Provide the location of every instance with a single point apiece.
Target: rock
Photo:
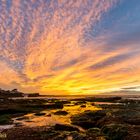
(134, 121)
(78, 136)
(31, 133)
(39, 114)
(48, 115)
(83, 106)
(54, 105)
(85, 124)
(65, 127)
(115, 131)
(88, 119)
(22, 118)
(5, 119)
(61, 113)
(18, 124)
(95, 131)
(80, 102)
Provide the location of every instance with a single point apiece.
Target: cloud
(7, 74)
(131, 88)
(111, 61)
(49, 46)
(37, 79)
(69, 63)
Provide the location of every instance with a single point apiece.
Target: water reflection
(32, 120)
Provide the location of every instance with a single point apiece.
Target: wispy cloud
(66, 46)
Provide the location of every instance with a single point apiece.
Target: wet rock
(31, 133)
(96, 134)
(83, 106)
(61, 113)
(40, 114)
(128, 115)
(62, 136)
(108, 119)
(18, 124)
(5, 119)
(88, 119)
(80, 102)
(48, 115)
(115, 131)
(22, 118)
(65, 127)
(78, 136)
(57, 105)
(93, 104)
(133, 121)
(95, 131)
(49, 134)
(63, 102)
(90, 135)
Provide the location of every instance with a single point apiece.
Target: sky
(70, 46)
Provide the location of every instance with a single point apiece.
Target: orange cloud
(43, 48)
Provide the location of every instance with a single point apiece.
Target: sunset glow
(70, 46)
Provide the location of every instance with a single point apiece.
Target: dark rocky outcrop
(61, 112)
(88, 119)
(115, 131)
(40, 114)
(65, 127)
(9, 94)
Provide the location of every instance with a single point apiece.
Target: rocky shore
(112, 119)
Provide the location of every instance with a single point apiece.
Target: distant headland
(16, 93)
